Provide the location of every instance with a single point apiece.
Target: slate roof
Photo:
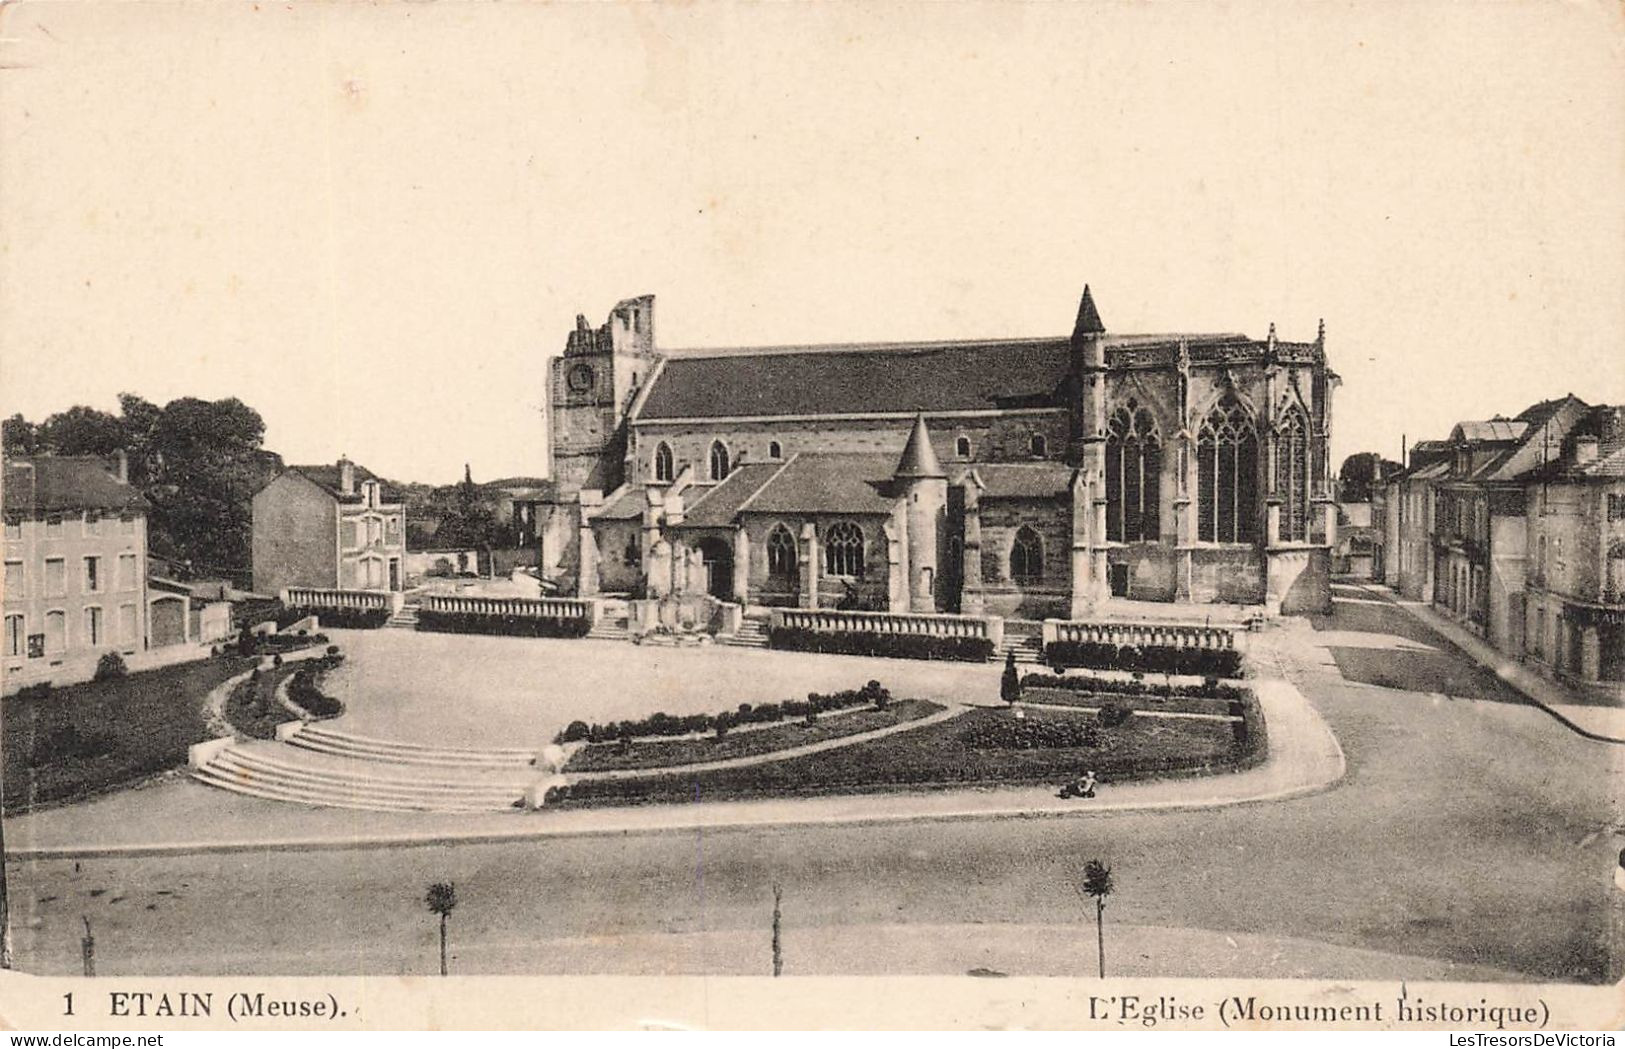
(717, 507)
(1021, 480)
(919, 459)
(929, 377)
(65, 483)
(629, 506)
(1088, 322)
(1490, 430)
(828, 484)
(327, 476)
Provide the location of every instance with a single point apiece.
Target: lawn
(977, 748)
(740, 743)
(87, 739)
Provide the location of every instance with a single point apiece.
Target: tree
(1097, 884)
(205, 464)
(467, 517)
(1360, 473)
(778, 945)
(21, 436)
(1010, 683)
(442, 900)
(82, 430)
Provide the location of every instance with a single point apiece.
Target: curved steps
(264, 770)
(343, 744)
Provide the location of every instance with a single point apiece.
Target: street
(1472, 834)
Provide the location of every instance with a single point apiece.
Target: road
(1473, 835)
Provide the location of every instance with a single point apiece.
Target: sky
(375, 223)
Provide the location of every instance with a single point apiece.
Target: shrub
(305, 694)
(332, 650)
(1157, 659)
(661, 724)
(1010, 683)
(38, 690)
(342, 618)
(871, 643)
(1112, 714)
(1211, 688)
(513, 626)
(111, 665)
(276, 660)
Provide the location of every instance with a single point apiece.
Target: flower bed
(962, 751)
(252, 707)
(669, 753)
(1066, 697)
(304, 689)
(1212, 688)
(1156, 659)
(663, 724)
(509, 625)
(874, 643)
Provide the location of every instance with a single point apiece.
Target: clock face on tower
(580, 378)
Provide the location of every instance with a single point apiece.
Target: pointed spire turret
(919, 459)
(1089, 322)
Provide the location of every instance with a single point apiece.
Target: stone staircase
(1025, 640)
(405, 619)
(608, 629)
(276, 772)
(752, 633)
(365, 748)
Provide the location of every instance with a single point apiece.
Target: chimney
(346, 476)
(121, 466)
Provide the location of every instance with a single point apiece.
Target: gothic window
(775, 450)
(663, 463)
(1039, 446)
(632, 554)
(1292, 476)
(1133, 467)
(1027, 557)
(843, 549)
(781, 554)
(962, 447)
(1227, 475)
(719, 461)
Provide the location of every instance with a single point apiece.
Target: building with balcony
(337, 527)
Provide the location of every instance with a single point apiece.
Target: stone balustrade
(572, 608)
(830, 621)
(1140, 635)
(349, 600)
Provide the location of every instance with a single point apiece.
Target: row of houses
(1515, 527)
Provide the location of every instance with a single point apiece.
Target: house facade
(1025, 477)
(329, 527)
(1575, 608)
(76, 569)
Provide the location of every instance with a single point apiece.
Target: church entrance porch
(718, 560)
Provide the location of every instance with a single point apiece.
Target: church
(1028, 478)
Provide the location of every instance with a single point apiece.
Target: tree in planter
(1010, 683)
(442, 900)
(1097, 884)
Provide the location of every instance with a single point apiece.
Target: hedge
(663, 724)
(513, 626)
(344, 618)
(873, 643)
(1155, 659)
(1212, 688)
